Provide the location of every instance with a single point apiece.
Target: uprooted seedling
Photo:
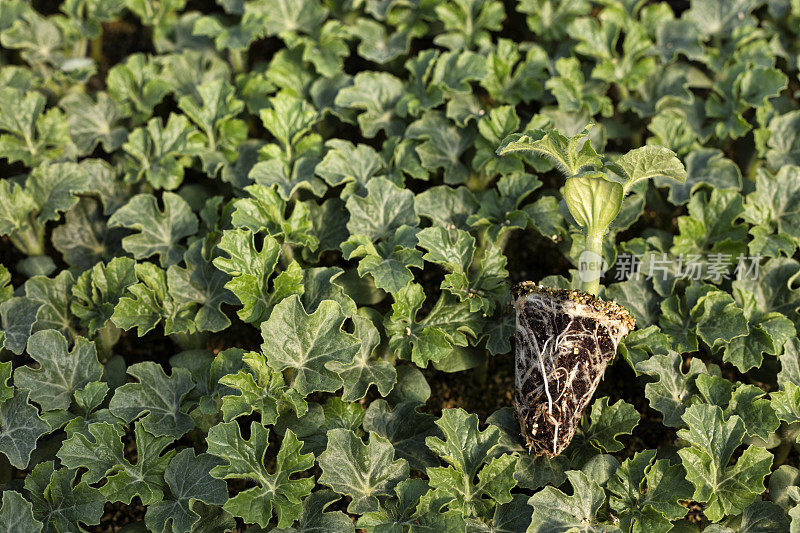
(565, 339)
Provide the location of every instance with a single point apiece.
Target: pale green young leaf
(718, 16)
(325, 283)
(287, 16)
(646, 493)
(288, 177)
(511, 517)
(446, 206)
(556, 511)
(725, 489)
(84, 239)
(643, 343)
(671, 393)
(388, 262)
(484, 286)
(385, 208)
(327, 48)
(745, 400)
(704, 166)
(237, 37)
(711, 226)
(54, 188)
(377, 44)
(98, 290)
(16, 204)
(512, 78)
(94, 121)
(571, 90)
(776, 197)
(214, 112)
(569, 155)
(786, 402)
(30, 134)
(308, 343)
(468, 23)
(493, 127)
(288, 119)
(442, 147)
(148, 302)
(761, 516)
(499, 209)
(783, 144)
(138, 85)
(260, 389)
(374, 94)
(352, 164)
(202, 284)
(409, 510)
(475, 479)
(451, 249)
(649, 162)
(158, 153)
(411, 386)
(362, 471)
(313, 427)
(250, 270)
(153, 13)
(768, 333)
(266, 211)
(431, 338)
(719, 320)
(55, 295)
(18, 316)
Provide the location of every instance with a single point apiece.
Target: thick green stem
(190, 341)
(788, 435)
(592, 261)
(96, 49)
(106, 339)
(503, 240)
(29, 239)
(239, 60)
(287, 255)
(783, 452)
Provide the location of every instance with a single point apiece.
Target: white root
(551, 331)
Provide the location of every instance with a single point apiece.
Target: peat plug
(564, 340)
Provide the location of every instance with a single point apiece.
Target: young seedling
(565, 339)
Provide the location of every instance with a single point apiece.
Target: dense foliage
(244, 245)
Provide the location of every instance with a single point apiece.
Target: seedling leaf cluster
(256, 261)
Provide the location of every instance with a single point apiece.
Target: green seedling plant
(262, 266)
(564, 340)
(595, 189)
